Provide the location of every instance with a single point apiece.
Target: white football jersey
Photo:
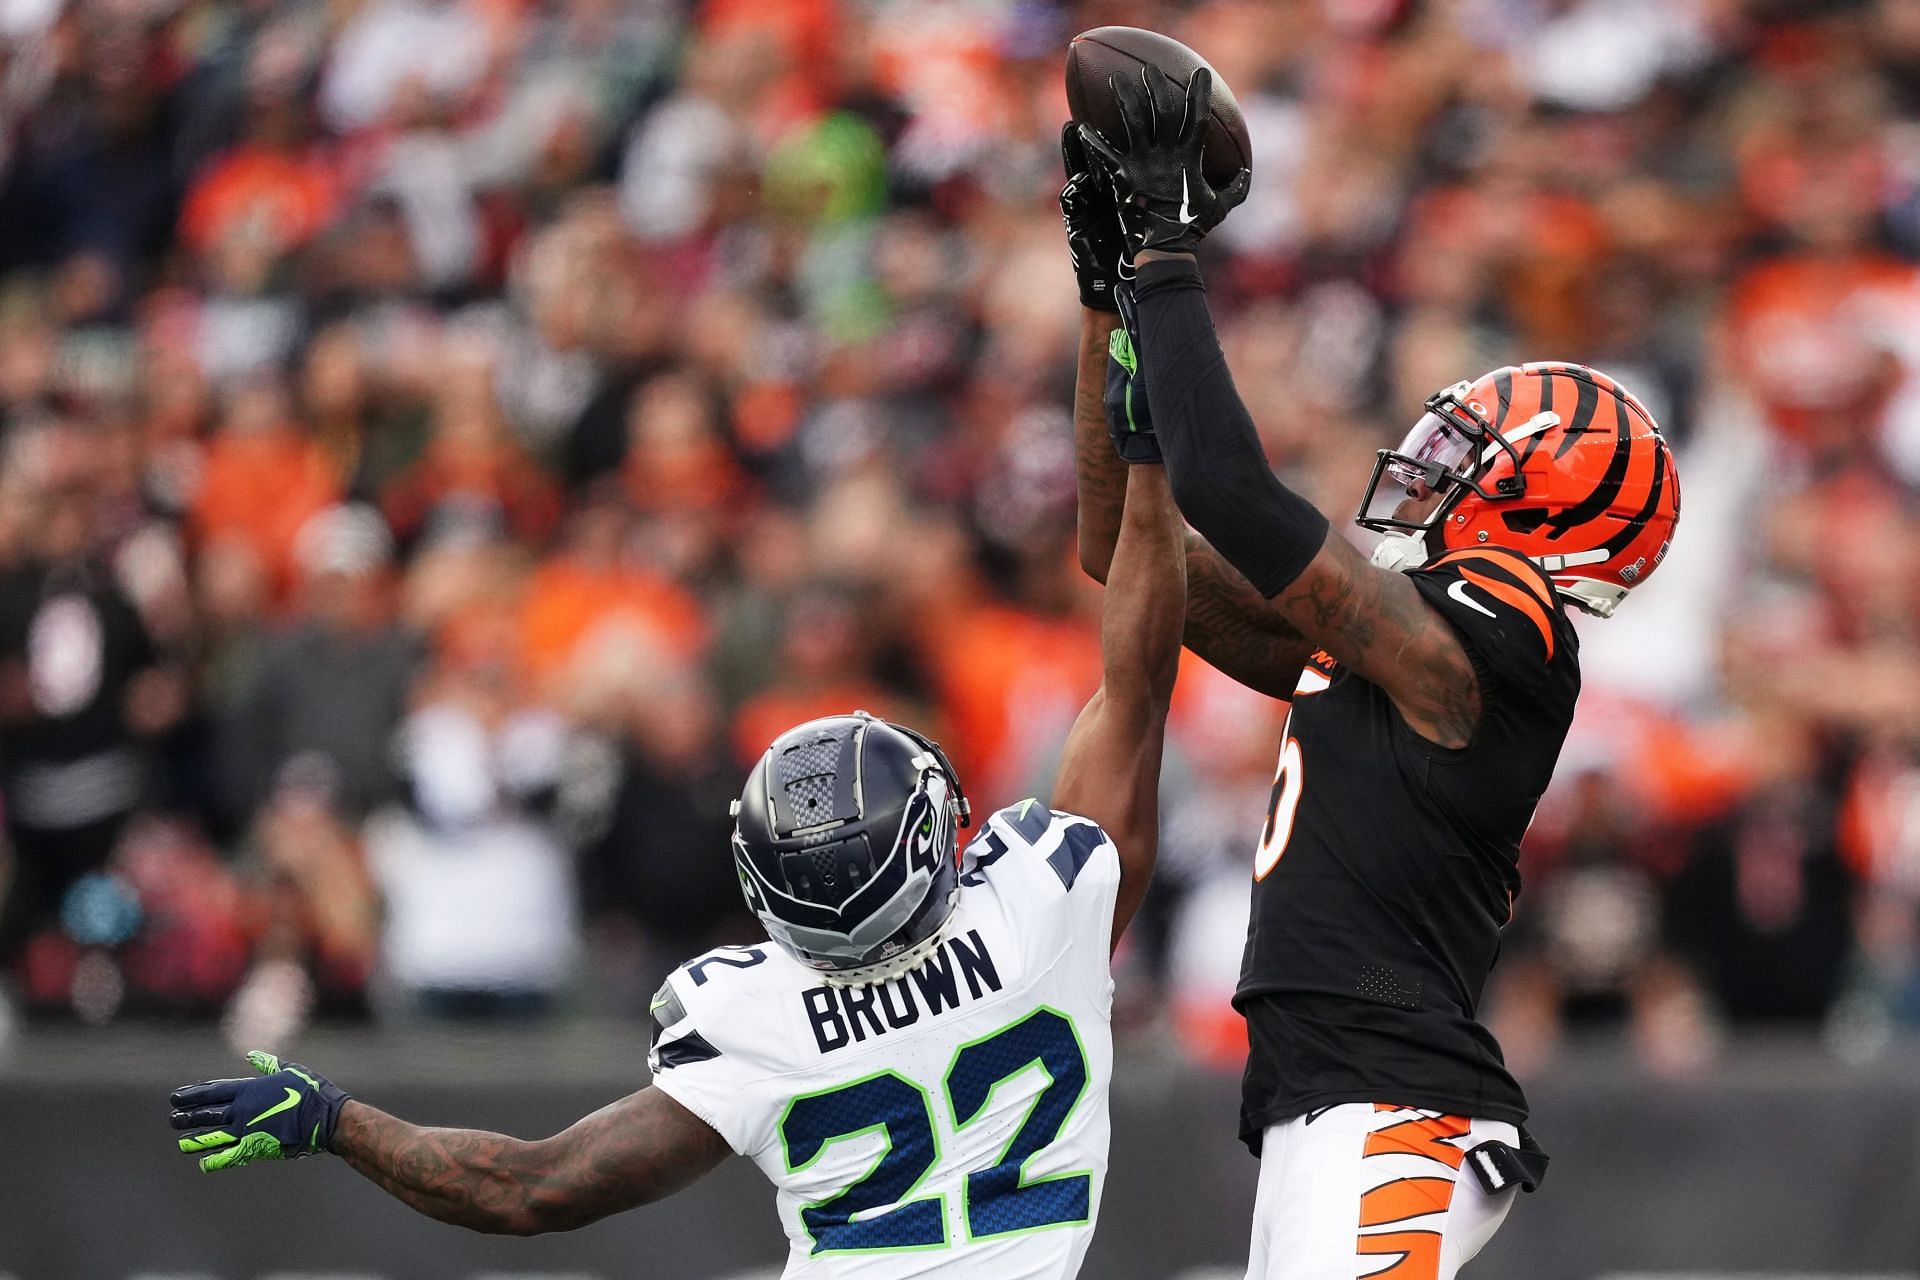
(952, 1121)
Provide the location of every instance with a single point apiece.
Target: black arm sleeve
(1215, 464)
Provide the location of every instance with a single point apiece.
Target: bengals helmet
(1556, 461)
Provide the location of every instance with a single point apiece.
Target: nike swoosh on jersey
(1458, 591)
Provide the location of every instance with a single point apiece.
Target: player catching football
(1431, 691)
(920, 1061)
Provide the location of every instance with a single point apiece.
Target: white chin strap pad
(1401, 552)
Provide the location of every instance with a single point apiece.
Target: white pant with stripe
(1382, 1193)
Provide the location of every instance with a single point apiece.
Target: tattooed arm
(1376, 622)
(1238, 630)
(1228, 623)
(1373, 620)
(640, 1149)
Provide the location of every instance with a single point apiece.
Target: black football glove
(1093, 222)
(1128, 423)
(1164, 197)
(284, 1113)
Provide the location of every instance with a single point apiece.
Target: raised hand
(1093, 223)
(1165, 201)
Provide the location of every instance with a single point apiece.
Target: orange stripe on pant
(1404, 1198)
(1416, 1254)
(1426, 1136)
(1409, 1254)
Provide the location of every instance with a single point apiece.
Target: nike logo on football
(292, 1100)
(1186, 214)
(1458, 591)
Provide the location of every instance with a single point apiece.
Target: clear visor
(1435, 445)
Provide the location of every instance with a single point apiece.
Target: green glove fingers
(255, 1146)
(206, 1141)
(266, 1064)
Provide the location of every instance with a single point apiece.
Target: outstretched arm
(1371, 619)
(1228, 623)
(1110, 769)
(635, 1151)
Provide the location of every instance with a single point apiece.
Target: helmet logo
(755, 901)
(922, 845)
(1631, 572)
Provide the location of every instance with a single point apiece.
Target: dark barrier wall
(1777, 1165)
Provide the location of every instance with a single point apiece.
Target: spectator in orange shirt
(273, 183)
(824, 666)
(264, 479)
(1010, 675)
(600, 603)
(1810, 339)
(798, 41)
(473, 472)
(677, 460)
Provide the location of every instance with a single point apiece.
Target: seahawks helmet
(845, 840)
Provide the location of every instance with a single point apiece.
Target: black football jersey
(1388, 865)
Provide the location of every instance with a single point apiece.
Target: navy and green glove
(1093, 223)
(1159, 184)
(283, 1114)
(1128, 423)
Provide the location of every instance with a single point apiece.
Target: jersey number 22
(999, 1200)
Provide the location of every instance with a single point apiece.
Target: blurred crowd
(442, 442)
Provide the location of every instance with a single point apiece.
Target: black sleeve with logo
(1388, 866)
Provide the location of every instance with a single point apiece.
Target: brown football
(1094, 55)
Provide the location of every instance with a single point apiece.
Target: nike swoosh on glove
(282, 1114)
(1159, 184)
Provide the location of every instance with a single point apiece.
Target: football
(1095, 55)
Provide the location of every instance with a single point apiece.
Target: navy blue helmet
(846, 840)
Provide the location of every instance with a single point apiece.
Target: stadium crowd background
(442, 441)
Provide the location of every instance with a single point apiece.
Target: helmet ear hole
(1525, 520)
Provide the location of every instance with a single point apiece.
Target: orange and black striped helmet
(1556, 461)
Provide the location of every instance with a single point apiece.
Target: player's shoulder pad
(1064, 842)
(1029, 820)
(1492, 588)
(690, 1005)
(677, 1042)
